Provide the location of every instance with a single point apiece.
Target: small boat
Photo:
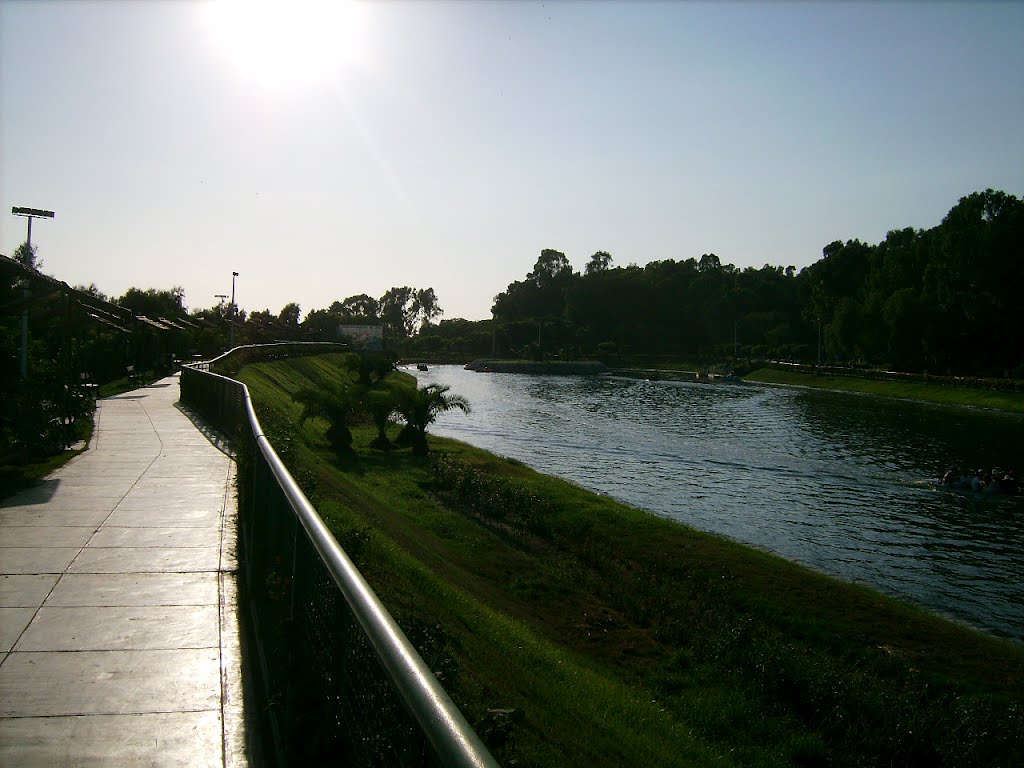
(421, 366)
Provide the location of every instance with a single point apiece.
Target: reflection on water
(843, 483)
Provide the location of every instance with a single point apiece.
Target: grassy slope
(931, 393)
(607, 636)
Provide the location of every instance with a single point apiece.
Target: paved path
(118, 629)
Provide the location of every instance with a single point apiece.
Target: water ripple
(843, 484)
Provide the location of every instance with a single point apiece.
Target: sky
(324, 150)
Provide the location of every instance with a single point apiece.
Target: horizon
(348, 148)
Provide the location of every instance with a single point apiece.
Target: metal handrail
(288, 347)
(452, 738)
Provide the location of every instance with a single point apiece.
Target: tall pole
(234, 275)
(23, 362)
(30, 213)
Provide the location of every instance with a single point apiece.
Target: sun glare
(282, 43)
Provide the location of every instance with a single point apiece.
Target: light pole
(29, 213)
(234, 275)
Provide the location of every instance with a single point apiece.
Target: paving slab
(45, 516)
(25, 590)
(102, 589)
(109, 536)
(164, 739)
(119, 637)
(154, 517)
(47, 536)
(43, 684)
(121, 628)
(13, 622)
(146, 560)
(36, 559)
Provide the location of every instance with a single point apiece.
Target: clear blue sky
(444, 144)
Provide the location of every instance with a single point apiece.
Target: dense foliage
(944, 299)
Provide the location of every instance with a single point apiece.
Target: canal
(842, 483)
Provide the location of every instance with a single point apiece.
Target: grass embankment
(930, 393)
(573, 630)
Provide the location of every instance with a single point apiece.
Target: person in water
(982, 480)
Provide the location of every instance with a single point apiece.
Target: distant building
(365, 336)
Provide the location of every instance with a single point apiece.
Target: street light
(29, 213)
(233, 276)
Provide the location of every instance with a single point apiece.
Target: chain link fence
(339, 681)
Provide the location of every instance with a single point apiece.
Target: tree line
(945, 300)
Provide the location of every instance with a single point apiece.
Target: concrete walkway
(118, 629)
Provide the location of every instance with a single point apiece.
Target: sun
(284, 43)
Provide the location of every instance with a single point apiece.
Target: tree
(25, 255)
(289, 315)
(709, 262)
(550, 266)
(336, 405)
(154, 303)
(396, 311)
(322, 324)
(379, 404)
(426, 307)
(361, 307)
(92, 290)
(420, 407)
(599, 262)
(369, 368)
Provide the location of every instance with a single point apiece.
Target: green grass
(125, 384)
(931, 393)
(573, 630)
(17, 474)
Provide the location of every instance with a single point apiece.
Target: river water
(842, 483)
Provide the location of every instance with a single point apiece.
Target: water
(842, 483)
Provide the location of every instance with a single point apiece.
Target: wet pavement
(119, 640)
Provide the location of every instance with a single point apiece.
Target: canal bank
(576, 630)
(840, 482)
(938, 391)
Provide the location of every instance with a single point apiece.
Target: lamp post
(29, 213)
(234, 275)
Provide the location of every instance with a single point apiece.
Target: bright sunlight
(284, 43)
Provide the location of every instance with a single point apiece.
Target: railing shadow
(218, 439)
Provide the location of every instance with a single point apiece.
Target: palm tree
(368, 367)
(379, 403)
(420, 407)
(334, 404)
